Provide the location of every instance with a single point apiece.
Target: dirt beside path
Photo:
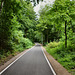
(58, 68)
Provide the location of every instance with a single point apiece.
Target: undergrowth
(24, 43)
(65, 56)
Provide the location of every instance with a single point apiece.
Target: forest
(55, 29)
(57, 26)
(17, 26)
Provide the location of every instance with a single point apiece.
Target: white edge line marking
(15, 60)
(48, 62)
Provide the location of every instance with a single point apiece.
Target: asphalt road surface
(31, 63)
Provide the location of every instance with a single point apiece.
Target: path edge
(54, 73)
(13, 60)
(57, 67)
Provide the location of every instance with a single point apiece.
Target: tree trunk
(47, 35)
(1, 6)
(65, 34)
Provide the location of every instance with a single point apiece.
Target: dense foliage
(57, 23)
(17, 26)
(66, 57)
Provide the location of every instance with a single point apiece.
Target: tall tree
(17, 21)
(65, 8)
(57, 17)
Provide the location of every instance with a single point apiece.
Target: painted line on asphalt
(15, 61)
(48, 62)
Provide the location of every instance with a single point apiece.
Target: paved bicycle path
(31, 63)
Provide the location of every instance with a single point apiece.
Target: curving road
(31, 63)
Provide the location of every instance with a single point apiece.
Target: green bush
(53, 44)
(28, 43)
(21, 44)
(65, 56)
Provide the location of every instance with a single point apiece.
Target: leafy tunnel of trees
(20, 28)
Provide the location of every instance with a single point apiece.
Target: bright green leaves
(17, 22)
(57, 18)
(64, 10)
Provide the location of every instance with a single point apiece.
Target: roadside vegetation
(57, 28)
(5, 56)
(17, 25)
(65, 56)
